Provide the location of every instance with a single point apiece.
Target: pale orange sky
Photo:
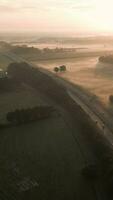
(56, 15)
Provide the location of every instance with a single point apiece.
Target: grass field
(42, 161)
(86, 72)
(23, 97)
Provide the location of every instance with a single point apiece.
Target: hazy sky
(56, 15)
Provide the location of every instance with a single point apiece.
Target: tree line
(21, 116)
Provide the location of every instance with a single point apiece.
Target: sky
(66, 16)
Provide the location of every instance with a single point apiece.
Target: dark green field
(42, 161)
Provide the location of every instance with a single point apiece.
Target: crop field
(42, 161)
(23, 97)
(87, 73)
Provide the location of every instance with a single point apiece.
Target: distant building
(3, 74)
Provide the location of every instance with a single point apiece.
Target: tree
(62, 68)
(56, 69)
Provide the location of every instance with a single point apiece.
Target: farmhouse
(3, 74)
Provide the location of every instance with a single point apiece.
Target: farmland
(87, 73)
(44, 159)
(22, 97)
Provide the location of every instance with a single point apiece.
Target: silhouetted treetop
(106, 59)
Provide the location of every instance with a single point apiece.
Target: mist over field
(56, 100)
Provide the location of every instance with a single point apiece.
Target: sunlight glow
(57, 15)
